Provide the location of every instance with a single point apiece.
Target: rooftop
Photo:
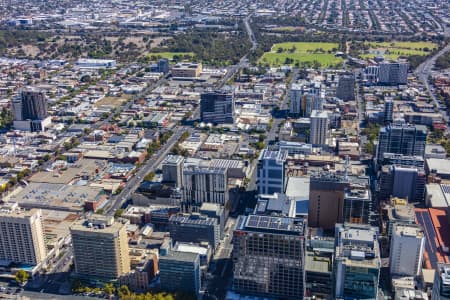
(275, 225)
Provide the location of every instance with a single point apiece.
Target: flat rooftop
(275, 225)
(55, 196)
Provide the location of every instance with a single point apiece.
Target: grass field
(113, 101)
(321, 54)
(170, 55)
(393, 50)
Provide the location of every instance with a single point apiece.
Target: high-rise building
(194, 228)
(357, 262)
(319, 128)
(268, 256)
(204, 184)
(172, 170)
(306, 97)
(217, 107)
(180, 271)
(393, 73)
(21, 235)
(100, 248)
(357, 205)
(30, 110)
(271, 169)
(403, 139)
(326, 200)
(441, 286)
(388, 114)
(346, 87)
(406, 251)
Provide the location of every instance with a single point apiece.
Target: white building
(21, 235)
(441, 286)
(319, 128)
(407, 244)
(306, 97)
(87, 63)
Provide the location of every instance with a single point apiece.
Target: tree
(109, 289)
(118, 213)
(124, 291)
(22, 277)
(150, 176)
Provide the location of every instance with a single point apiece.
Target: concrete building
(268, 256)
(191, 70)
(217, 107)
(271, 171)
(21, 236)
(398, 212)
(100, 248)
(388, 113)
(403, 139)
(357, 262)
(393, 73)
(172, 170)
(346, 87)
(406, 251)
(441, 286)
(319, 128)
(326, 200)
(180, 271)
(306, 97)
(194, 228)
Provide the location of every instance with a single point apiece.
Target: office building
(194, 228)
(204, 184)
(319, 266)
(357, 205)
(214, 210)
(100, 248)
(326, 199)
(180, 271)
(388, 113)
(371, 74)
(393, 73)
(88, 63)
(268, 256)
(357, 262)
(406, 251)
(441, 286)
(346, 87)
(271, 169)
(163, 65)
(403, 182)
(21, 236)
(30, 110)
(217, 107)
(319, 128)
(306, 97)
(275, 205)
(402, 160)
(403, 139)
(172, 170)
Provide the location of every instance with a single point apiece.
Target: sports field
(393, 50)
(302, 53)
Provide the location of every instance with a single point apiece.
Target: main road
(423, 71)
